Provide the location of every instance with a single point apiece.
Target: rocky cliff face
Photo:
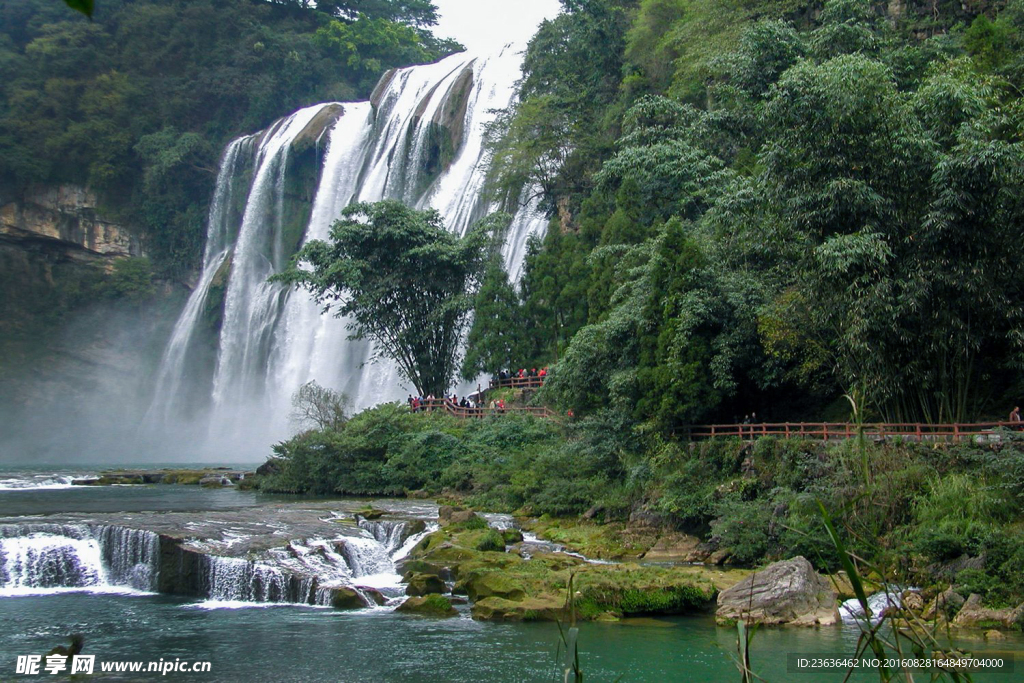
(68, 355)
(66, 219)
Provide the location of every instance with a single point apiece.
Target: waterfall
(420, 140)
(178, 357)
(46, 557)
(235, 580)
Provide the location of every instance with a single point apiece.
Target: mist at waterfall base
(214, 383)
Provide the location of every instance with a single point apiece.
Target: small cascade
(403, 551)
(851, 611)
(48, 561)
(232, 579)
(367, 557)
(41, 557)
(389, 534)
(37, 482)
(131, 556)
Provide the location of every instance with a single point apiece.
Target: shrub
(742, 528)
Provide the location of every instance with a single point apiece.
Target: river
(266, 642)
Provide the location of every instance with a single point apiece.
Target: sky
(483, 25)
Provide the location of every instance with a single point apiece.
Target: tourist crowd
(476, 401)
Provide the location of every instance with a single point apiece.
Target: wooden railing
(452, 408)
(826, 431)
(517, 383)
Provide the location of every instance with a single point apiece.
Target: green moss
(600, 541)
(475, 522)
(432, 605)
(187, 477)
(491, 540)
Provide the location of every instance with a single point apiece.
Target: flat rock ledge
(787, 593)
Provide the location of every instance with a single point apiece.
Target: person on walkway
(1015, 414)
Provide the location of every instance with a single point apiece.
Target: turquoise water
(286, 643)
(295, 643)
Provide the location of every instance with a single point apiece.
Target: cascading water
(179, 353)
(46, 558)
(420, 140)
(42, 557)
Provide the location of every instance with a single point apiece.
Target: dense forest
(764, 206)
(803, 210)
(138, 103)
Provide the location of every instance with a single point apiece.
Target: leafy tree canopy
(404, 282)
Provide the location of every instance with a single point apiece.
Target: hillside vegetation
(138, 103)
(935, 516)
(761, 207)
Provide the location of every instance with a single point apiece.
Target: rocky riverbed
(417, 557)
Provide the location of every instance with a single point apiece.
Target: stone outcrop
(451, 514)
(344, 597)
(424, 584)
(677, 547)
(974, 615)
(313, 134)
(66, 216)
(784, 593)
(433, 605)
(945, 605)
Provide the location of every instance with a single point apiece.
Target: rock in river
(788, 592)
(432, 605)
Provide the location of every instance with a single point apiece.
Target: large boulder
(347, 598)
(945, 605)
(424, 584)
(974, 615)
(373, 595)
(784, 593)
(432, 605)
(491, 584)
(445, 512)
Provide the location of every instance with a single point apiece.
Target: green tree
(406, 283)
(495, 339)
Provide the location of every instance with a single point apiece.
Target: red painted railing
(825, 431)
(452, 408)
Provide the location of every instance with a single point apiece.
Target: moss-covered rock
(373, 595)
(512, 536)
(615, 590)
(347, 598)
(432, 605)
(370, 512)
(537, 608)
(611, 541)
(491, 540)
(424, 584)
(492, 583)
